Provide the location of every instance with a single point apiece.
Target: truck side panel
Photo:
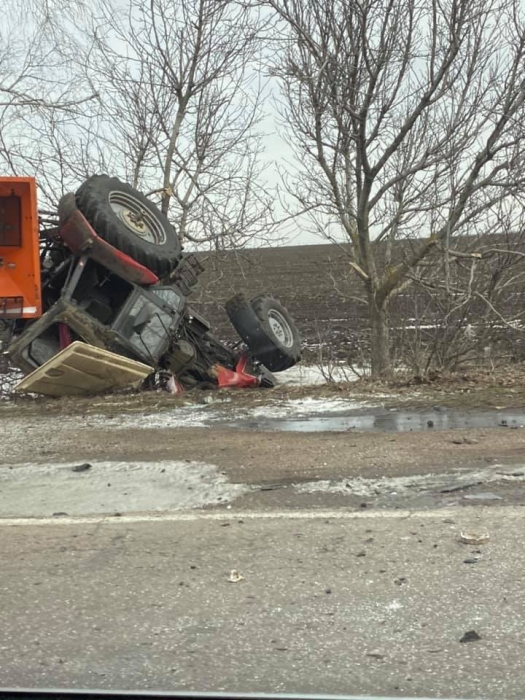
(20, 290)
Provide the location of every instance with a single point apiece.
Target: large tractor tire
(267, 329)
(130, 222)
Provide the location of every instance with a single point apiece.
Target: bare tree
(37, 88)
(179, 103)
(36, 80)
(184, 75)
(407, 121)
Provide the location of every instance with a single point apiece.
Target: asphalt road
(351, 578)
(330, 602)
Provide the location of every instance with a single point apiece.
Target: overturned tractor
(96, 297)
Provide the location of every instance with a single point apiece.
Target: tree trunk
(379, 336)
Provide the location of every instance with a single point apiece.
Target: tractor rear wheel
(129, 221)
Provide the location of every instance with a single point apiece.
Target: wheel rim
(280, 328)
(137, 218)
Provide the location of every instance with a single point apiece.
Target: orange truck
(20, 288)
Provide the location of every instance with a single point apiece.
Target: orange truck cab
(20, 289)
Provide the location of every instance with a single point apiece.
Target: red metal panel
(236, 378)
(80, 237)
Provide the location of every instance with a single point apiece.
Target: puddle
(384, 420)
(294, 415)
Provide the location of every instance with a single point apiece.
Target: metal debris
(81, 467)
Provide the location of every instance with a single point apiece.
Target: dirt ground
(265, 458)
(132, 427)
(503, 387)
(500, 390)
(271, 464)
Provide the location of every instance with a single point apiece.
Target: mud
(266, 443)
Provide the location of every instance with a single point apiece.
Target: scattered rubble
(470, 636)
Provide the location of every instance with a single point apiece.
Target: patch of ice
(202, 416)
(37, 490)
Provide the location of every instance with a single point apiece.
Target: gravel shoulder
(256, 457)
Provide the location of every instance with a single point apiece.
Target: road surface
(349, 576)
(369, 603)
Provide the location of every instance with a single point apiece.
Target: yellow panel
(82, 369)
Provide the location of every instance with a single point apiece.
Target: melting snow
(180, 417)
(205, 415)
(30, 490)
(303, 407)
(310, 375)
(402, 485)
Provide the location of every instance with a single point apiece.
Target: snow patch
(8, 380)
(403, 485)
(314, 375)
(204, 416)
(180, 417)
(38, 490)
(304, 407)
